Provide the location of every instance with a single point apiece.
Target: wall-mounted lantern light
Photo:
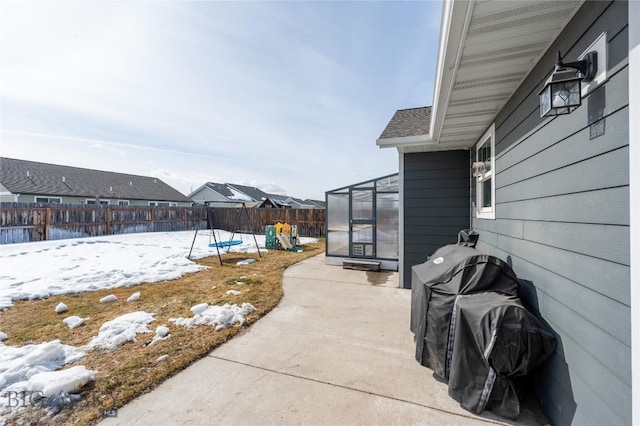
(561, 93)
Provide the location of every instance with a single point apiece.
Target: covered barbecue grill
(472, 330)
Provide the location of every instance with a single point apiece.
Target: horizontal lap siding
(562, 221)
(436, 204)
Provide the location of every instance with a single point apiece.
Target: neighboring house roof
(279, 199)
(249, 191)
(301, 203)
(220, 188)
(320, 204)
(30, 177)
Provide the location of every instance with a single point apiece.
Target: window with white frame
(48, 200)
(484, 175)
(123, 202)
(162, 204)
(93, 201)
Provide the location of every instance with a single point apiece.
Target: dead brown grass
(132, 369)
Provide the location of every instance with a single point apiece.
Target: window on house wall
(484, 175)
(162, 204)
(93, 201)
(123, 202)
(48, 200)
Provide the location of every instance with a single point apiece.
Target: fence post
(47, 222)
(153, 226)
(108, 221)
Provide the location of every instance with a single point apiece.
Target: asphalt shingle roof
(408, 122)
(53, 179)
(220, 188)
(251, 191)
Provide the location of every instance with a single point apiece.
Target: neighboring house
(30, 181)
(225, 194)
(297, 203)
(317, 203)
(211, 193)
(551, 196)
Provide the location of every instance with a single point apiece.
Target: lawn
(133, 368)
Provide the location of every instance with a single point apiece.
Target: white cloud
(289, 95)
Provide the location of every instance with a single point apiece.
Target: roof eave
(456, 16)
(404, 141)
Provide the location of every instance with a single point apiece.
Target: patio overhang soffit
(486, 50)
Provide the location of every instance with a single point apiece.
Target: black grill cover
(496, 342)
(450, 271)
(472, 330)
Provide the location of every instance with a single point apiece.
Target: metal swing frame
(209, 216)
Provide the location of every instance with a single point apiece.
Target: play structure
(281, 236)
(209, 215)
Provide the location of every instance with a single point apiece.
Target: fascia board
(404, 141)
(456, 16)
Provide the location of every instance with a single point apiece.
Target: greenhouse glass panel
(338, 224)
(388, 184)
(387, 226)
(362, 204)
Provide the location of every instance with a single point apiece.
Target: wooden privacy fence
(25, 222)
(310, 221)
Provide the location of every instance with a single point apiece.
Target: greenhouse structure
(362, 222)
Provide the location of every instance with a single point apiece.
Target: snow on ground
(88, 264)
(215, 315)
(22, 369)
(121, 329)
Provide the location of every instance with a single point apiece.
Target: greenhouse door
(363, 223)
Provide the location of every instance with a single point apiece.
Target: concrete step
(361, 265)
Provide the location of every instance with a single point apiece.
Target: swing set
(208, 214)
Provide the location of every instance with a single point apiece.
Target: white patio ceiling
(486, 50)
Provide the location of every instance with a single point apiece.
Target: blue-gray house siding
(436, 203)
(562, 221)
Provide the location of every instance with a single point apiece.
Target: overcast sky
(286, 96)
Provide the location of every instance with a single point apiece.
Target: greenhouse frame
(362, 222)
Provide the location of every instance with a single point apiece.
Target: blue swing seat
(226, 243)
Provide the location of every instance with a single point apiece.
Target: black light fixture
(561, 93)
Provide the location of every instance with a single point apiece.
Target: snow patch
(162, 333)
(61, 308)
(162, 358)
(3, 336)
(134, 297)
(20, 364)
(215, 315)
(245, 262)
(109, 298)
(121, 330)
(50, 383)
(67, 267)
(74, 321)
(234, 292)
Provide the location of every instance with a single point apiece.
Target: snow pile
(61, 308)
(215, 315)
(121, 330)
(234, 293)
(3, 336)
(50, 383)
(108, 299)
(162, 358)
(134, 297)
(162, 333)
(245, 262)
(18, 366)
(74, 321)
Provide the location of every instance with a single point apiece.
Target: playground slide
(284, 241)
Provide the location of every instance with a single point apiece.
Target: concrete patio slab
(336, 350)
